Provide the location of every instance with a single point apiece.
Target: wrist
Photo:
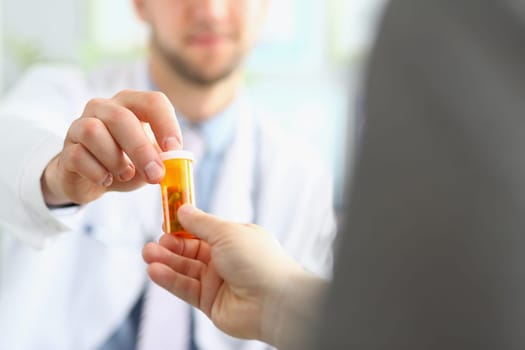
(49, 186)
(291, 306)
(273, 314)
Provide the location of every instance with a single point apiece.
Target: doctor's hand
(235, 273)
(109, 149)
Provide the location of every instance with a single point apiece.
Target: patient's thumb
(199, 223)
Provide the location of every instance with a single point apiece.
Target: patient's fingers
(191, 248)
(184, 287)
(154, 252)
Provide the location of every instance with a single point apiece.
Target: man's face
(204, 41)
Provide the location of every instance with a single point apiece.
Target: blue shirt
(218, 133)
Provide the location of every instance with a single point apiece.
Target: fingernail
(154, 171)
(108, 180)
(127, 174)
(172, 143)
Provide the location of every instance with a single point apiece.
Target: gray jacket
(432, 254)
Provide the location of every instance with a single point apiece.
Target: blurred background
(305, 71)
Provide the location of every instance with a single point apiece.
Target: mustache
(209, 28)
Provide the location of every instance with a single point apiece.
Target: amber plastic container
(176, 189)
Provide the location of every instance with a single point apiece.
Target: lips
(206, 39)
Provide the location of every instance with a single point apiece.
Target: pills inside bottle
(176, 189)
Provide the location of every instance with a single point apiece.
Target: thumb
(199, 223)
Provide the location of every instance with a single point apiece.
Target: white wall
(47, 30)
(2, 51)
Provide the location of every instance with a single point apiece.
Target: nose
(216, 10)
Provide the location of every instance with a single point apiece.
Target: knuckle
(91, 129)
(122, 93)
(95, 102)
(117, 115)
(155, 98)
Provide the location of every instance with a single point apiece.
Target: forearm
(292, 310)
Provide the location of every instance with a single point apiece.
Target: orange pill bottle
(176, 189)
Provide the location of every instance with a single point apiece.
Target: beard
(193, 73)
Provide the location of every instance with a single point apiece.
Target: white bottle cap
(180, 154)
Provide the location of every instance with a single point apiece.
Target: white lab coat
(68, 278)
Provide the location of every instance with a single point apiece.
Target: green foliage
(23, 52)
(92, 54)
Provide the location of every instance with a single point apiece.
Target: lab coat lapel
(235, 183)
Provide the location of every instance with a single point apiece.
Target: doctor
(78, 183)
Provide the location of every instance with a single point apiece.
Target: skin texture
(196, 48)
(107, 148)
(202, 41)
(238, 275)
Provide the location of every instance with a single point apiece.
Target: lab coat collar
(218, 131)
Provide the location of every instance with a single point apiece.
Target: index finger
(154, 108)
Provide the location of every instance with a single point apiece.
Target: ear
(139, 9)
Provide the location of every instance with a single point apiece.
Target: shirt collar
(217, 131)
